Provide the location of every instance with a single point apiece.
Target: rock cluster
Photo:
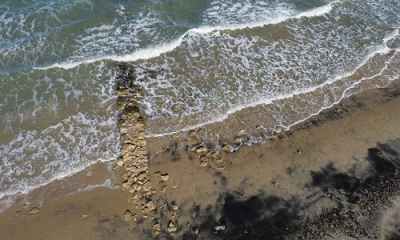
(133, 157)
(207, 154)
(133, 153)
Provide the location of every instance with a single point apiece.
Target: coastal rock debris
(156, 228)
(128, 216)
(133, 152)
(34, 210)
(164, 177)
(172, 230)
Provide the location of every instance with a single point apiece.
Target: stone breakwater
(133, 153)
(134, 158)
(306, 174)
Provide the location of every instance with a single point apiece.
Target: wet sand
(336, 175)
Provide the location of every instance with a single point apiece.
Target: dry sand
(318, 180)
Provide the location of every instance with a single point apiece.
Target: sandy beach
(333, 176)
(200, 119)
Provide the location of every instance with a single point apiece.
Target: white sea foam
(248, 70)
(56, 124)
(107, 183)
(158, 49)
(35, 158)
(28, 30)
(382, 49)
(279, 13)
(6, 202)
(345, 95)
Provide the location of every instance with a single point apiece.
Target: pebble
(172, 228)
(34, 210)
(164, 177)
(157, 228)
(127, 215)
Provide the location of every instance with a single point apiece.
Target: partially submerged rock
(133, 152)
(34, 210)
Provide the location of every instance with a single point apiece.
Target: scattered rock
(142, 176)
(123, 130)
(203, 163)
(157, 228)
(164, 177)
(226, 148)
(238, 139)
(276, 184)
(274, 136)
(85, 216)
(174, 211)
(148, 207)
(163, 189)
(157, 174)
(34, 210)
(196, 231)
(298, 151)
(201, 150)
(176, 136)
(172, 228)
(186, 141)
(220, 168)
(128, 215)
(338, 109)
(147, 186)
(120, 163)
(192, 133)
(219, 228)
(194, 142)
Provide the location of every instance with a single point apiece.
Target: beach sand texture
(332, 176)
(207, 119)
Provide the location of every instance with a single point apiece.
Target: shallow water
(253, 64)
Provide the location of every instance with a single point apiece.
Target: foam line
(343, 94)
(6, 202)
(107, 183)
(383, 50)
(57, 177)
(319, 11)
(157, 50)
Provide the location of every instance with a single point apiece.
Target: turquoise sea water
(212, 58)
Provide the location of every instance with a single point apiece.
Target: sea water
(249, 64)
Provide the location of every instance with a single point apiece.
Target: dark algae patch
(338, 204)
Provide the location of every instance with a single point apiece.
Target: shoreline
(189, 186)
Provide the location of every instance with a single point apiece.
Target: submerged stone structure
(133, 154)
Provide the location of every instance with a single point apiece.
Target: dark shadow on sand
(358, 199)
